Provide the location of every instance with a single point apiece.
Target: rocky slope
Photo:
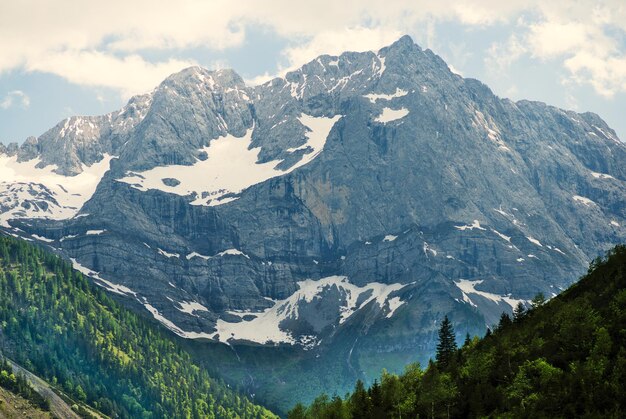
(353, 202)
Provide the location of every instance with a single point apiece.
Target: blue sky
(65, 60)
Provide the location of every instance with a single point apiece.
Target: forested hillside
(18, 385)
(64, 329)
(564, 358)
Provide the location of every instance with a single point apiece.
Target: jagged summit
(404, 44)
(214, 79)
(82, 141)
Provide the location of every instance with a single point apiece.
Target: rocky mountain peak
(405, 42)
(204, 81)
(363, 194)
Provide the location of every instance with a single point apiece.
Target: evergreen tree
(504, 320)
(298, 412)
(360, 402)
(468, 340)
(376, 396)
(447, 343)
(538, 300)
(519, 312)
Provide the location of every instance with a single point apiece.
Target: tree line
(58, 325)
(561, 358)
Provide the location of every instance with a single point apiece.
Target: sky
(81, 57)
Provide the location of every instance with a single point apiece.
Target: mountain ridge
(373, 172)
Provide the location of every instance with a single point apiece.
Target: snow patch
(502, 236)
(389, 115)
(534, 241)
(469, 287)
(189, 307)
(43, 239)
(166, 322)
(231, 166)
(233, 252)
(64, 195)
(265, 326)
(601, 175)
(607, 134)
(393, 303)
(389, 238)
(95, 232)
(167, 254)
(109, 286)
(502, 212)
(373, 97)
(427, 249)
(382, 67)
(196, 255)
(585, 201)
(474, 225)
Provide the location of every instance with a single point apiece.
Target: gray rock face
(431, 196)
(78, 141)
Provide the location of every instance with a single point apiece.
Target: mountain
(334, 214)
(70, 333)
(566, 358)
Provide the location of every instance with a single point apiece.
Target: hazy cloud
(104, 44)
(586, 38)
(129, 75)
(15, 98)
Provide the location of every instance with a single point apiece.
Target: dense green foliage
(562, 358)
(69, 332)
(20, 385)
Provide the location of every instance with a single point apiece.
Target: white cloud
(606, 74)
(260, 79)
(104, 43)
(130, 75)
(501, 56)
(549, 39)
(585, 37)
(334, 42)
(15, 98)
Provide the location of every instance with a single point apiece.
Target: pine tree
(375, 394)
(360, 402)
(538, 300)
(447, 343)
(519, 311)
(468, 340)
(505, 320)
